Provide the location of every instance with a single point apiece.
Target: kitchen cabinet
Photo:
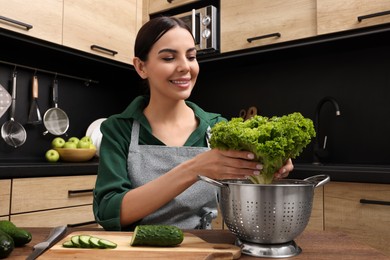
(102, 27)
(156, 6)
(5, 197)
(40, 18)
(335, 15)
(52, 201)
(367, 221)
(261, 22)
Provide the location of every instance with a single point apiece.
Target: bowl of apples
(72, 150)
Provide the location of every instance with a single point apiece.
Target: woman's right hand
(226, 164)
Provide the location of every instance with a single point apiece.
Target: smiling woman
(151, 153)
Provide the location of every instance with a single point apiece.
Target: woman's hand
(285, 170)
(229, 164)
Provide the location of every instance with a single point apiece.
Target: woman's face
(172, 68)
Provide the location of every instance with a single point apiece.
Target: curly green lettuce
(272, 140)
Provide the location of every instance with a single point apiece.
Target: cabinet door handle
(368, 16)
(376, 202)
(264, 36)
(25, 25)
(74, 193)
(104, 50)
(81, 224)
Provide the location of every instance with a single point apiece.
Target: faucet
(317, 151)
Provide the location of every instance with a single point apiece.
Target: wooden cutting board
(192, 247)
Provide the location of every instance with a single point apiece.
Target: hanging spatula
(34, 116)
(5, 100)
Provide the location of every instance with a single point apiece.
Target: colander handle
(318, 180)
(211, 181)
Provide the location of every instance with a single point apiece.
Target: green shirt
(112, 180)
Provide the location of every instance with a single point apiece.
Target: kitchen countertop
(27, 169)
(344, 172)
(337, 172)
(315, 244)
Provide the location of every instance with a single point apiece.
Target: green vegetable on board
(156, 235)
(88, 241)
(272, 140)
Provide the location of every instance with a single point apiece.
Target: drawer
(368, 221)
(5, 197)
(56, 217)
(34, 194)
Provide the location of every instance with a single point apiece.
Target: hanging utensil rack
(87, 82)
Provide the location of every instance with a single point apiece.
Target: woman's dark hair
(152, 31)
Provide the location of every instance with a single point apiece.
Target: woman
(152, 153)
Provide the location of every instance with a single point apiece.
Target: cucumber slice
(107, 243)
(94, 242)
(68, 244)
(76, 241)
(84, 241)
(156, 235)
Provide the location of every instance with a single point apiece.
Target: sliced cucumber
(94, 242)
(75, 240)
(87, 241)
(156, 235)
(68, 244)
(84, 241)
(107, 243)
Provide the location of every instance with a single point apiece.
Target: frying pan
(55, 119)
(12, 132)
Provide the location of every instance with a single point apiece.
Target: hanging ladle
(12, 132)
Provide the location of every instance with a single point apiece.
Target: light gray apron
(192, 209)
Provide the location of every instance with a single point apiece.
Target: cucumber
(68, 244)
(19, 235)
(156, 235)
(84, 241)
(76, 241)
(107, 243)
(87, 241)
(6, 244)
(94, 242)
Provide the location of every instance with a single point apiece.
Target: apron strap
(134, 135)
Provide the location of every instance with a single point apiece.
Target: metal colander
(267, 213)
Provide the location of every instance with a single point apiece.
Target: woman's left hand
(285, 170)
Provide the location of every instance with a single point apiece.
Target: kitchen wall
(354, 71)
(83, 103)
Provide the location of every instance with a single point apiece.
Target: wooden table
(315, 245)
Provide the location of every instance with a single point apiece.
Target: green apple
(52, 155)
(86, 139)
(74, 140)
(83, 144)
(92, 146)
(57, 142)
(70, 145)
